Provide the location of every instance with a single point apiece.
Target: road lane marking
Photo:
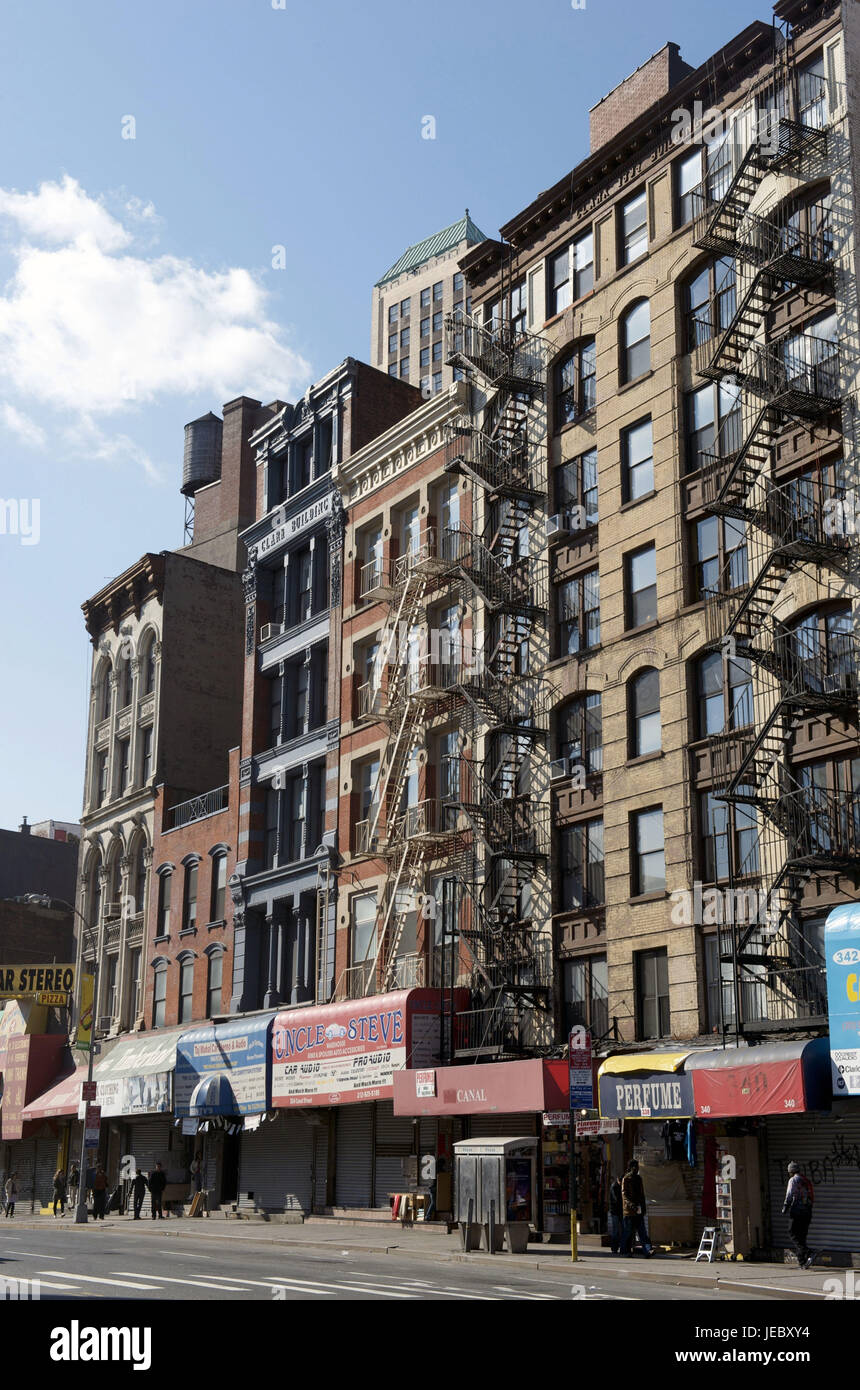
(92, 1279)
(166, 1279)
(46, 1284)
(40, 1255)
(300, 1285)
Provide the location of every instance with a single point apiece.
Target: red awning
(62, 1098)
(505, 1088)
(774, 1079)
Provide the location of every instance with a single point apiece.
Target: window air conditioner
(269, 630)
(558, 768)
(557, 526)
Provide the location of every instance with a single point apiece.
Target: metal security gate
(395, 1140)
(502, 1126)
(276, 1163)
(22, 1160)
(320, 1142)
(354, 1155)
(828, 1150)
(148, 1142)
(46, 1167)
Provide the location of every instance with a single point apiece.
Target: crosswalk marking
(166, 1279)
(46, 1284)
(39, 1255)
(300, 1285)
(91, 1279)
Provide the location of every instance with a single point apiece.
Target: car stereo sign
(342, 1053)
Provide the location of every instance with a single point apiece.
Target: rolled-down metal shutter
(46, 1167)
(320, 1141)
(150, 1144)
(829, 1152)
(354, 1155)
(276, 1163)
(502, 1126)
(23, 1162)
(395, 1140)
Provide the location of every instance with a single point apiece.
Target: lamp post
(81, 1210)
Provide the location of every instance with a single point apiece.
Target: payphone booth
(496, 1190)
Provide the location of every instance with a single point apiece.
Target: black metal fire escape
(802, 831)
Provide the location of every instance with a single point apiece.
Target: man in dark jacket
(138, 1189)
(100, 1187)
(157, 1184)
(633, 1203)
(799, 1197)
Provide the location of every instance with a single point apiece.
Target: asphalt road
(95, 1263)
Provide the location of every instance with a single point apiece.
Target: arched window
(147, 667)
(575, 384)
(643, 706)
(189, 895)
(636, 341)
(159, 993)
(214, 981)
(114, 886)
(123, 683)
(103, 693)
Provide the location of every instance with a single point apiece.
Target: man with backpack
(799, 1197)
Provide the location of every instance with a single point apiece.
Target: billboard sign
(842, 955)
(224, 1068)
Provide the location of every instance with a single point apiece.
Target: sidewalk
(778, 1281)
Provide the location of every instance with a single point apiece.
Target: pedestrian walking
(633, 1206)
(60, 1192)
(157, 1184)
(616, 1216)
(799, 1199)
(72, 1185)
(139, 1187)
(100, 1187)
(11, 1192)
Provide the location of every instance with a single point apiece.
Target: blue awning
(213, 1096)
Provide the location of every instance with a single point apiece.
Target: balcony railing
(407, 972)
(416, 558)
(209, 804)
(366, 836)
(503, 357)
(370, 577)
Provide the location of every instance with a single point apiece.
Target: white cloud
(92, 327)
(21, 425)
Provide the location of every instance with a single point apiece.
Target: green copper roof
(423, 251)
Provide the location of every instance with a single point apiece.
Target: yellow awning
(642, 1061)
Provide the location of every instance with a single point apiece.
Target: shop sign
(284, 530)
(22, 980)
(52, 999)
(587, 1128)
(88, 1091)
(647, 1095)
(92, 1126)
(236, 1054)
(425, 1083)
(552, 1118)
(581, 1074)
(342, 1053)
(842, 953)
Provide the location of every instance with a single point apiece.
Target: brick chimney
(632, 97)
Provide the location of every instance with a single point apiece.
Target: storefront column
(273, 994)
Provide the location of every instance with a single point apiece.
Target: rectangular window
(714, 829)
(213, 989)
(634, 229)
(637, 459)
(559, 291)
(652, 993)
(425, 298)
(101, 778)
(392, 342)
(459, 282)
(404, 340)
(393, 313)
(437, 352)
(186, 991)
(720, 564)
(146, 756)
(392, 369)
(437, 321)
(576, 486)
(363, 946)
(586, 995)
(304, 452)
(579, 613)
(189, 904)
(165, 885)
(159, 998)
(273, 803)
(135, 998)
(425, 328)
(123, 750)
(649, 861)
(575, 384)
(404, 369)
(301, 575)
(641, 586)
(582, 870)
(583, 265)
(437, 382)
(437, 292)
(219, 887)
(276, 703)
(580, 733)
(812, 94)
(518, 309)
(688, 177)
(425, 357)
(404, 308)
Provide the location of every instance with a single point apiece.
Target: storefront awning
(238, 1053)
(31, 1061)
(134, 1077)
(505, 1088)
(63, 1098)
(778, 1079)
(630, 1062)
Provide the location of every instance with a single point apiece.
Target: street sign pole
(581, 1097)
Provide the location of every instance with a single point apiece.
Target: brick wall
(636, 94)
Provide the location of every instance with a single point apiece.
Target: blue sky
(136, 281)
